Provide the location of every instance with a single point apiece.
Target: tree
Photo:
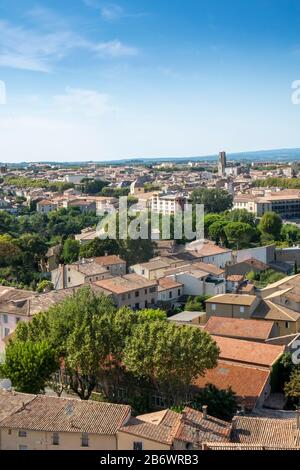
(197, 303)
(160, 351)
(292, 387)
(239, 234)
(209, 219)
(45, 286)
(271, 224)
(214, 200)
(240, 215)
(217, 231)
(136, 251)
(290, 233)
(70, 251)
(98, 247)
(29, 365)
(90, 186)
(220, 403)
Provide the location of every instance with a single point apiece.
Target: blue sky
(98, 80)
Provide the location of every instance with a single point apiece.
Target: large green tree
(239, 234)
(220, 403)
(160, 352)
(70, 251)
(29, 365)
(214, 200)
(271, 224)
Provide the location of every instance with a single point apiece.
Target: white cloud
(27, 49)
(115, 49)
(112, 12)
(79, 101)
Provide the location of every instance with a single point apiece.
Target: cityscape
(149, 270)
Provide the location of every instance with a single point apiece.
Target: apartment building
(286, 203)
(18, 305)
(41, 422)
(112, 263)
(45, 206)
(78, 273)
(269, 308)
(169, 290)
(130, 290)
(232, 305)
(168, 204)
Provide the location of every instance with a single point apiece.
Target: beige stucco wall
(41, 440)
(125, 442)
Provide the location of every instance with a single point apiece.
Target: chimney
(298, 418)
(204, 411)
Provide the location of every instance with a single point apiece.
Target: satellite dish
(5, 384)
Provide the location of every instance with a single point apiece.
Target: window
(158, 401)
(22, 433)
(137, 446)
(123, 296)
(6, 331)
(5, 319)
(242, 309)
(287, 324)
(129, 296)
(69, 279)
(146, 292)
(22, 447)
(137, 294)
(55, 439)
(137, 305)
(170, 295)
(179, 292)
(18, 319)
(213, 307)
(143, 272)
(84, 439)
(152, 289)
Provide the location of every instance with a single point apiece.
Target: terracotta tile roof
(126, 283)
(208, 249)
(255, 263)
(189, 427)
(160, 427)
(166, 283)
(10, 402)
(248, 352)
(270, 311)
(239, 328)
(109, 260)
(196, 429)
(45, 413)
(247, 382)
(232, 299)
(209, 268)
(280, 433)
(235, 278)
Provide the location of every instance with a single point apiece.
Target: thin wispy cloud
(29, 49)
(87, 102)
(112, 12)
(115, 49)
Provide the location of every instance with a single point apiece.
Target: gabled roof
(268, 310)
(45, 413)
(239, 328)
(280, 433)
(190, 426)
(248, 352)
(247, 382)
(232, 299)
